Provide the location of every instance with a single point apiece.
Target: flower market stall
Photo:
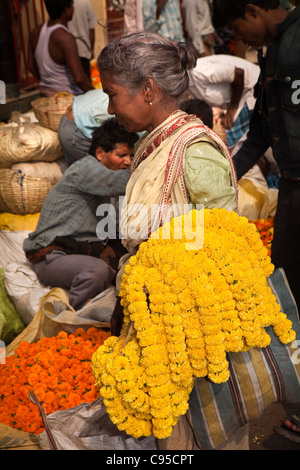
(208, 334)
(206, 345)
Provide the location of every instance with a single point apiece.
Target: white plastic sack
(97, 312)
(11, 246)
(88, 427)
(24, 288)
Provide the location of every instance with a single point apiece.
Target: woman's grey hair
(136, 56)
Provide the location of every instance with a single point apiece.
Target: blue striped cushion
(258, 378)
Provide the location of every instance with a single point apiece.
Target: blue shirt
(169, 22)
(90, 110)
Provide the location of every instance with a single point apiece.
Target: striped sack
(258, 378)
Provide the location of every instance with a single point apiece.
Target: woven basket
(49, 110)
(22, 194)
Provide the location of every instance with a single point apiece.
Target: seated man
(65, 250)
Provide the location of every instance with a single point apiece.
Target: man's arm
(64, 50)
(151, 13)
(92, 23)
(237, 87)
(92, 40)
(253, 148)
(101, 181)
(159, 6)
(32, 43)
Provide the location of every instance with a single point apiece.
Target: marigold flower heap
(57, 369)
(184, 309)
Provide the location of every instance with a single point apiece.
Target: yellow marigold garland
(184, 310)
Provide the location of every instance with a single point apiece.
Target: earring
(150, 103)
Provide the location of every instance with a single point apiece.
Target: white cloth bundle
(24, 141)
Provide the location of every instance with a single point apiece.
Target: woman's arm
(208, 177)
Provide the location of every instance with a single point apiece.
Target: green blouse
(208, 177)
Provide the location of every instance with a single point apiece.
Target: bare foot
(288, 424)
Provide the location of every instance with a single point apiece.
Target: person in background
(201, 109)
(67, 249)
(164, 17)
(133, 16)
(82, 26)
(275, 121)
(275, 31)
(77, 125)
(227, 82)
(198, 25)
(206, 113)
(53, 54)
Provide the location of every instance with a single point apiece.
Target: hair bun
(187, 55)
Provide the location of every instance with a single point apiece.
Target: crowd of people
(169, 50)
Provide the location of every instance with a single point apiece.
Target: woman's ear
(149, 88)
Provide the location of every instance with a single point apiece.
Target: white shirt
(213, 75)
(198, 22)
(133, 15)
(84, 19)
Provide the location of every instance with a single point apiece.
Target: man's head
(58, 8)
(201, 109)
(253, 21)
(112, 145)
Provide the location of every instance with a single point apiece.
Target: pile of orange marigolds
(57, 369)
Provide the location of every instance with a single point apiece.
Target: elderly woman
(180, 161)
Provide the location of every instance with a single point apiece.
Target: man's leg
(83, 276)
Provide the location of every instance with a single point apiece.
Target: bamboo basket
(49, 110)
(21, 194)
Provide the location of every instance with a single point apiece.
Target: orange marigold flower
(33, 379)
